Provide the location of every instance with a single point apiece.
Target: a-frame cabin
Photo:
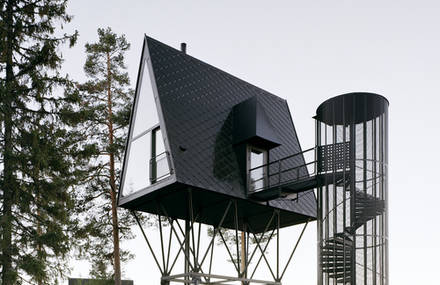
(197, 129)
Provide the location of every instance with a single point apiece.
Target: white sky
(306, 52)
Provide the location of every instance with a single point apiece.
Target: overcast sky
(307, 52)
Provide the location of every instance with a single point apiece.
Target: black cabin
(213, 135)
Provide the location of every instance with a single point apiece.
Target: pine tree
(40, 152)
(107, 97)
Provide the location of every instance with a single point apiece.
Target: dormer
(253, 137)
(252, 125)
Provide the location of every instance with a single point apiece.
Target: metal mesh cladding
(353, 211)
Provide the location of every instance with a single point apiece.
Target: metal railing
(293, 168)
(287, 169)
(160, 167)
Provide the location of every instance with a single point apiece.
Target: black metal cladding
(252, 125)
(197, 102)
(351, 108)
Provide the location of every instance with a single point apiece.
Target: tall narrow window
(257, 160)
(159, 168)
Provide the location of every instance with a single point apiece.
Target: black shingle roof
(197, 100)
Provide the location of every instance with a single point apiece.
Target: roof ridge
(216, 68)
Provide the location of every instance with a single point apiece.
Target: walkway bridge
(293, 174)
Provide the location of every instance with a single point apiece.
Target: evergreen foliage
(41, 154)
(106, 98)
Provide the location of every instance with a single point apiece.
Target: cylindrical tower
(352, 150)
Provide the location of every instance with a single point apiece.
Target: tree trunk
(39, 229)
(8, 276)
(116, 256)
(243, 256)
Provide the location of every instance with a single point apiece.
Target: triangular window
(146, 161)
(145, 113)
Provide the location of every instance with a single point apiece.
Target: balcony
(160, 167)
(299, 172)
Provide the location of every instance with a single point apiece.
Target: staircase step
(337, 271)
(340, 240)
(332, 259)
(341, 267)
(339, 275)
(338, 267)
(331, 254)
(337, 247)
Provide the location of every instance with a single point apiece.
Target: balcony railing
(287, 169)
(160, 167)
(299, 166)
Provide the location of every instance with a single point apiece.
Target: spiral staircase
(338, 252)
(336, 257)
(283, 178)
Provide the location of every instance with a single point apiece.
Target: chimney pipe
(183, 47)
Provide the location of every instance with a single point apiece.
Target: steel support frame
(188, 243)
